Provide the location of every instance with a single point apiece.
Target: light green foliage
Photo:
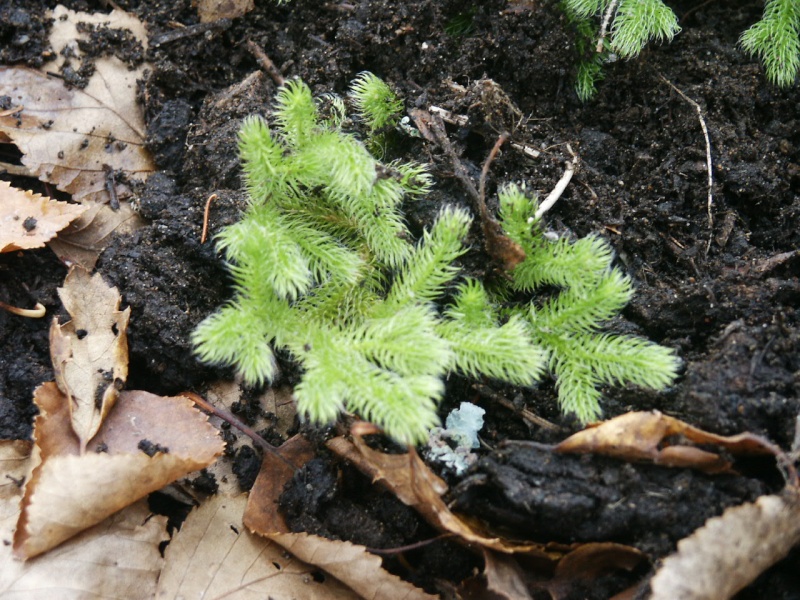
(590, 64)
(324, 269)
(632, 24)
(567, 326)
(639, 21)
(376, 103)
(776, 40)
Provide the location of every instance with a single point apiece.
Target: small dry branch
(710, 200)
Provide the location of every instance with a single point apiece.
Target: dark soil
(726, 295)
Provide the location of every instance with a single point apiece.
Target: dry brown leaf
(71, 137)
(87, 236)
(517, 576)
(646, 436)
(504, 577)
(730, 551)
(213, 556)
(261, 515)
(118, 558)
(587, 562)
(352, 565)
(214, 10)
(145, 443)
(14, 469)
(410, 479)
(90, 352)
(28, 220)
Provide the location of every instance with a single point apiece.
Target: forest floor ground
(718, 283)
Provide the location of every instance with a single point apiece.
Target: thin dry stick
(529, 416)
(415, 546)
(710, 201)
(485, 170)
(32, 313)
(265, 62)
(229, 418)
(562, 184)
(604, 26)
(499, 246)
(211, 198)
(18, 170)
(185, 32)
(437, 128)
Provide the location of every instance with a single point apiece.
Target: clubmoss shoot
(324, 268)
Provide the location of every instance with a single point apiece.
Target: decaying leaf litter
(731, 312)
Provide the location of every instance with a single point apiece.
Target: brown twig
(203, 236)
(485, 170)
(694, 9)
(184, 32)
(32, 313)
(499, 246)
(415, 546)
(229, 418)
(265, 62)
(529, 416)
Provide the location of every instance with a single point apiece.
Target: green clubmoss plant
(325, 269)
(776, 41)
(568, 326)
(376, 103)
(620, 27)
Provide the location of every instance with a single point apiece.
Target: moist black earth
(716, 278)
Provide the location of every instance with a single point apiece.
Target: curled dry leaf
(28, 220)
(588, 562)
(261, 515)
(87, 236)
(415, 485)
(75, 138)
(352, 565)
(213, 556)
(118, 558)
(652, 436)
(90, 352)
(504, 577)
(730, 551)
(145, 443)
